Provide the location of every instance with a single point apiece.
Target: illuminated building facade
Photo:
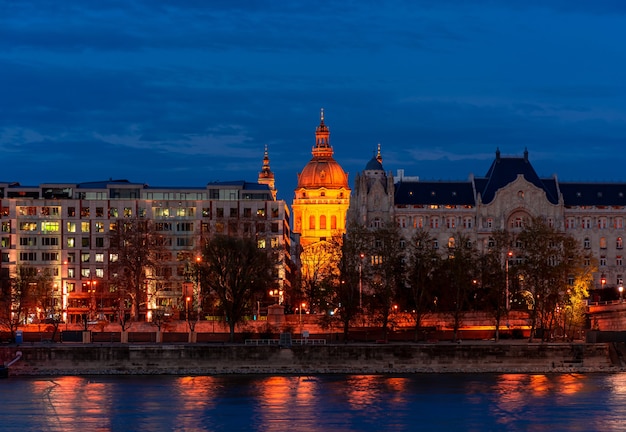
(322, 196)
(63, 232)
(507, 197)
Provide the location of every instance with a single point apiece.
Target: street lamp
(278, 294)
(301, 307)
(187, 300)
(92, 291)
(621, 292)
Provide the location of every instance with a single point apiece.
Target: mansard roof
(434, 193)
(593, 194)
(504, 170)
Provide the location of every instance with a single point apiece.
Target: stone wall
(225, 359)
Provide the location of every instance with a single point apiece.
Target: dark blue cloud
(186, 92)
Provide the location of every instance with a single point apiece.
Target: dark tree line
(535, 268)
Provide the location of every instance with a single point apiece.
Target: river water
(429, 402)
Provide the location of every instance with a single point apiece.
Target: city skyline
(186, 93)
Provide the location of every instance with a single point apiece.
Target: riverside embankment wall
(226, 359)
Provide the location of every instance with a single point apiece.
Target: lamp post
(361, 256)
(621, 292)
(506, 289)
(278, 294)
(198, 261)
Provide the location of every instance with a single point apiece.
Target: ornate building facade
(322, 196)
(507, 197)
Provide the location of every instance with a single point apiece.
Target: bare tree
(457, 276)
(319, 273)
(237, 270)
(422, 260)
(19, 299)
(387, 273)
(135, 248)
(494, 274)
(354, 245)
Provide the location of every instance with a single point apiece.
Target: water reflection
(332, 402)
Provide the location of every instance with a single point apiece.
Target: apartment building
(62, 232)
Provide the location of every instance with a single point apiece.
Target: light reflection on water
(476, 402)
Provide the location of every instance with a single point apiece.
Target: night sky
(184, 92)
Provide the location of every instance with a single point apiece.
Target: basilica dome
(323, 172)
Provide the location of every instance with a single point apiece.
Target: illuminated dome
(322, 171)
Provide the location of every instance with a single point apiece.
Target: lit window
(50, 226)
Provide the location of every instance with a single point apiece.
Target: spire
(322, 144)
(379, 158)
(266, 176)
(526, 154)
(498, 154)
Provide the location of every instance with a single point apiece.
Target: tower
(322, 196)
(266, 176)
(373, 202)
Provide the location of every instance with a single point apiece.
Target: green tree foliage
(237, 271)
(550, 258)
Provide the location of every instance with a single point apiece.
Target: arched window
(619, 243)
(333, 222)
(602, 242)
(323, 222)
(587, 243)
(451, 242)
(312, 222)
